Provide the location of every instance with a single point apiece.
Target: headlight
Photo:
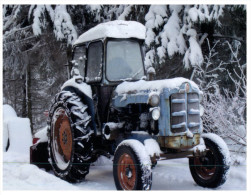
(154, 100)
(155, 114)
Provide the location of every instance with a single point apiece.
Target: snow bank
(158, 86)
(8, 114)
(19, 135)
(83, 87)
(18, 174)
(17, 130)
(114, 29)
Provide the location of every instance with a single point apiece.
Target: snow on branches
(63, 27)
(62, 23)
(224, 109)
(168, 28)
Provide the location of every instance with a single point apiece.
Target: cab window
(94, 62)
(79, 59)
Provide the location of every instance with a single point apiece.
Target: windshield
(124, 61)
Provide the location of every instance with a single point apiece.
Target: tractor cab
(110, 53)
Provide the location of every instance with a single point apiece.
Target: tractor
(111, 106)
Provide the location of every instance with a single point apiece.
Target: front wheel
(211, 170)
(132, 167)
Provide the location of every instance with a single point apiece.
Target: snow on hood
(114, 29)
(158, 85)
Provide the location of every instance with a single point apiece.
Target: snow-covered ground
(18, 174)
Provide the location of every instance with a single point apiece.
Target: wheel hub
(61, 138)
(205, 167)
(126, 172)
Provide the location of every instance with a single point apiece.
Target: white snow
(157, 86)
(151, 70)
(19, 135)
(37, 25)
(201, 147)
(83, 87)
(18, 174)
(152, 147)
(193, 14)
(172, 40)
(8, 114)
(149, 59)
(127, 11)
(17, 130)
(189, 133)
(154, 17)
(114, 29)
(42, 134)
(139, 149)
(194, 53)
(63, 27)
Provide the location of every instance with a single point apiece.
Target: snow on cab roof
(114, 29)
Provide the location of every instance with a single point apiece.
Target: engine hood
(140, 91)
(143, 86)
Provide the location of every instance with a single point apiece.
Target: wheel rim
(205, 167)
(61, 139)
(126, 172)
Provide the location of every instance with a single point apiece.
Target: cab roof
(114, 29)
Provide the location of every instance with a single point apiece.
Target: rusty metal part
(205, 166)
(61, 138)
(178, 142)
(167, 156)
(65, 138)
(126, 172)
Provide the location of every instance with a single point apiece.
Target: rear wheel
(129, 171)
(69, 144)
(211, 170)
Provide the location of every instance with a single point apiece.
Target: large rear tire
(211, 170)
(69, 137)
(129, 170)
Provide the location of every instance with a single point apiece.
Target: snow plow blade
(39, 155)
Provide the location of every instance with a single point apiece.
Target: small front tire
(129, 170)
(211, 170)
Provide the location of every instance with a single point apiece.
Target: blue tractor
(111, 107)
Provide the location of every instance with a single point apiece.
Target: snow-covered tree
(169, 27)
(224, 108)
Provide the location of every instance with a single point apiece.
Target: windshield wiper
(133, 77)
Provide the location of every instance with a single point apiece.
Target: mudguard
(150, 143)
(86, 100)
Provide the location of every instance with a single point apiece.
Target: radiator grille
(185, 112)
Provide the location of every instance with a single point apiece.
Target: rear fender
(87, 101)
